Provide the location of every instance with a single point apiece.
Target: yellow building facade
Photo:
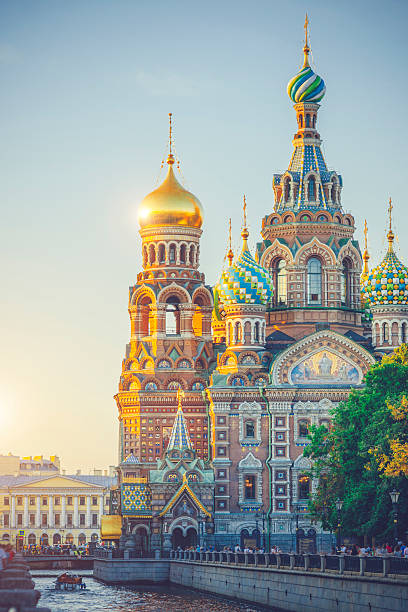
(52, 510)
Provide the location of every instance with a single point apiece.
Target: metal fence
(340, 564)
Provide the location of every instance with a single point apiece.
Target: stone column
(13, 512)
(50, 511)
(63, 519)
(101, 509)
(38, 513)
(25, 517)
(76, 513)
(88, 512)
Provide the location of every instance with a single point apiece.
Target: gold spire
(366, 256)
(170, 157)
(306, 48)
(180, 395)
(245, 232)
(390, 234)
(230, 254)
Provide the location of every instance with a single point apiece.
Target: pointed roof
(176, 496)
(131, 459)
(179, 438)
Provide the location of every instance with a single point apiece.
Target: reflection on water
(99, 597)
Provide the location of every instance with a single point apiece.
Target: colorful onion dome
(387, 283)
(245, 282)
(306, 85)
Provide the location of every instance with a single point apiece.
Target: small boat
(69, 582)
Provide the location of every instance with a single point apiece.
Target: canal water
(99, 597)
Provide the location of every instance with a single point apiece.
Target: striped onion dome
(244, 282)
(306, 86)
(388, 282)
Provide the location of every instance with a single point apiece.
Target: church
(220, 385)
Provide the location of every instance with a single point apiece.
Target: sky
(86, 88)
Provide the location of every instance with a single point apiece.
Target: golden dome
(170, 204)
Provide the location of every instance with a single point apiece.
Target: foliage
(365, 454)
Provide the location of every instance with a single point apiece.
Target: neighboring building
(291, 337)
(11, 465)
(53, 509)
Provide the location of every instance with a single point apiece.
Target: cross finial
(170, 157)
(230, 254)
(366, 256)
(390, 234)
(306, 48)
(245, 232)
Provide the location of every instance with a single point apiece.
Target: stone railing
(115, 553)
(339, 564)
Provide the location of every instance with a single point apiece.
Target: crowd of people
(380, 550)
(57, 549)
(6, 555)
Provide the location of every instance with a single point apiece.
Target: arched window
(44, 539)
(145, 316)
(56, 539)
(183, 254)
(280, 278)
(82, 539)
(256, 332)
(145, 256)
(314, 121)
(172, 254)
(303, 487)
(69, 538)
(300, 121)
(307, 120)
(31, 539)
(237, 333)
(162, 254)
(286, 189)
(172, 317)
(249, 486)
(303, 429)
(312, 189)
(94, 537)
(152, 254)
(314, 281)
(404, 332)
(385, 332)
(191, 255)
(247, 333)
(333, 193)
(345, 285)
(249, 429)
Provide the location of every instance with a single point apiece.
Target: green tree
(365, 454)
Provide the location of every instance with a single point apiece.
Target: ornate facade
(292, 333)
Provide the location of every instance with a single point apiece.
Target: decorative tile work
(136, 499)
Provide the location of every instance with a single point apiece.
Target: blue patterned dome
(387, 283)
(245, 282)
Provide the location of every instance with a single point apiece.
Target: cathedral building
(220, 386)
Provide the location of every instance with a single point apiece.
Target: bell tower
(170, 310)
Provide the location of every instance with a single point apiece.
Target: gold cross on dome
(390, 207)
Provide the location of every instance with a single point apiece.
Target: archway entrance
(184, 541)
(141, 538)
(250, 539)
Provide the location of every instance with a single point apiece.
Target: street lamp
(339, 506)
(394, 494)
(260, 515)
